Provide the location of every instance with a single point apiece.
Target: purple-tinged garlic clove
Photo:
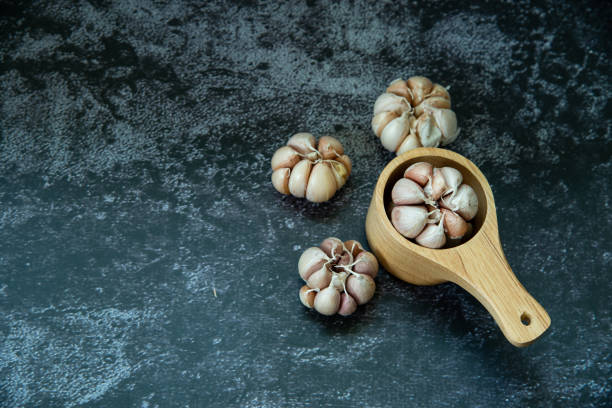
(345, 258)
(285, 157)
(320, 279)
(400, 87)
(303, 143)
(380, 121)
(354, 247)
(327, 301)
(420, 173)
(409, 220)
(420, 87)
(298, 180)
(310, 261)
(280, 180)
(307, 296)
(332, 247)
(406, 191)
(454, 225)
(330, 147)
(395, 132)
(366, 263)
(464, 202)
(436, 187)
(321, 184)
(347, 305)
(433, 235)
(360, 287)
(389, 102)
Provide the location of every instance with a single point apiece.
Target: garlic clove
(345, 258)
(361, 287)
(340, 173)
(464, 202)
(420, 87)
(410, 142)
(344, 159)
(285, 157)
(381, 120)
(395, 132)
(332, 247)
(454, 225)
(406, 191)
(354, 247)
(280, 180)
(420, 172)
(409, 220)
(400, 87)
(321, 184)
(330, 147)
(389, 102)
(427, 131)
(453, 179)
(347, 305)
(310, 261)
(431, 102)
(327, 301)
(338, 280)
(320, 279)
(299, 178)
(433, 214)
(440, 91)
(432, 236)
(436, 186)
(307, 296)
(446, 121)
(303, 143)
(366, 263)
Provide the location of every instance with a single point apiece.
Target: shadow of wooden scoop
(477, 265)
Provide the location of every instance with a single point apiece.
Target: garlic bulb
(432, 206)
(302, 170)
(339, 276)
(414, 113)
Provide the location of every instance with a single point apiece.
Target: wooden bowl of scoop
(478, 265)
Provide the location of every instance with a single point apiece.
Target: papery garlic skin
(434, 214)
(426, 107)
(304, 168)
(339, 276)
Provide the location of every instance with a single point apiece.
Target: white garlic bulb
(432, 206)
(302, 170)
(339, 276)
(414, 113)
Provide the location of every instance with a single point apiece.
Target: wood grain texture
(478, 265)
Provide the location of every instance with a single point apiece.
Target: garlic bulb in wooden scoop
(432, 206)
(339, 276)
(414, 113)
(302, 170)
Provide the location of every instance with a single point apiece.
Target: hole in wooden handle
(525, 319)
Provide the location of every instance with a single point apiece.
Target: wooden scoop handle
(485, 273)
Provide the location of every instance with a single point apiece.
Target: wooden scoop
(477, 265)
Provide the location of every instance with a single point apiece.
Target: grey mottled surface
(134, 185)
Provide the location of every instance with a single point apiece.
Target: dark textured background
(134, 184)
